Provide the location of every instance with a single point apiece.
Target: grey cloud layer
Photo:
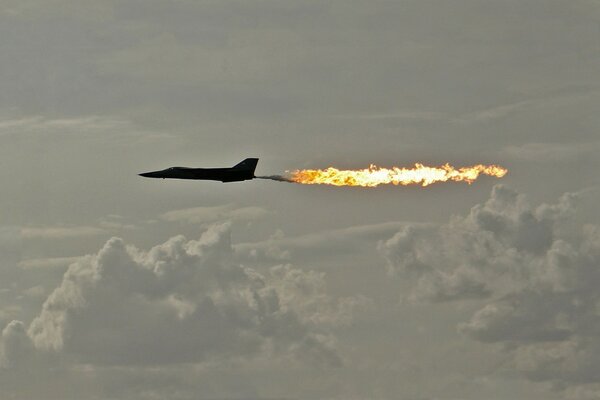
(95, 92)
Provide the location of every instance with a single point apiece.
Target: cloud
(26, 373)
(15, 346)
(343, 241)
(550, 319)
(495, 112)
(535, 268)
(550, 100)
(35, 291)
(402, 115)
(92, 129)
(8, 313)
(42, 125)
(115, 222)
(465, 257)
(49, 262)
(186, 301)
(199, 215)
(11, 244)
(60, 232)
(551, 152)
(106, 225)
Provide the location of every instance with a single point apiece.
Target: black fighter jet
(240, 172)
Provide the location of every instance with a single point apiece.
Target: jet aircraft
(240, 172)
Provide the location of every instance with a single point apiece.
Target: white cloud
(15, 346)
(125, 314)
(535, 269)
(187, 301)
(494, 245)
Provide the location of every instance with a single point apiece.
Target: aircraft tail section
(249, 164)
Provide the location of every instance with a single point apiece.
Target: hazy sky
(114, 286)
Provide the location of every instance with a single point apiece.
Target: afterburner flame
(375, 176)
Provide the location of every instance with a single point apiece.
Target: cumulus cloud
(186, 301)
(26, 373)
(15, 346)
(535, 269)
(497, 246)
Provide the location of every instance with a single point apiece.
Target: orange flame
(375, 176)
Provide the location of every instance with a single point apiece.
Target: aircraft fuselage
(241, 172)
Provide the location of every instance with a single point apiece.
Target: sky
(114, 286)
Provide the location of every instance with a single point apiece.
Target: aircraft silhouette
(240, 172)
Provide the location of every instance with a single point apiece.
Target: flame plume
(375, 176)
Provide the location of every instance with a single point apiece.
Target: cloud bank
(181, 302)
(534, 269)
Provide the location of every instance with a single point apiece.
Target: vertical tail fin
(248, 164)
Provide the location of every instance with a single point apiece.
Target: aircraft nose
(147, 174)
